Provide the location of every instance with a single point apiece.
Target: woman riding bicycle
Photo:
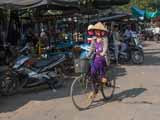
(93, 77)
(99, 46)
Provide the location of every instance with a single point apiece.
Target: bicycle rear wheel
(80, 91)
(108, 89)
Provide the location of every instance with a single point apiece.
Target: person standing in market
(44, 37)
(31, 37)
(156, 32)
(116, 41)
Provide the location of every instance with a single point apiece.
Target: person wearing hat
(100, 47)
(90, 38)
(90, 33)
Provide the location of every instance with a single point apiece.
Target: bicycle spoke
(80, 91)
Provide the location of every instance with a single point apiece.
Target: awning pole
(8, 24)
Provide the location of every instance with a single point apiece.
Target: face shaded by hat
(90, 30)
(90, 27)
(100, 30)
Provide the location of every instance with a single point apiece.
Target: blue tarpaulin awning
(137, 12)
(144, 13)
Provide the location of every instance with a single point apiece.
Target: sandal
(104, 80)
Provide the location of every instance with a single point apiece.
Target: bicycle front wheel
(81, 89)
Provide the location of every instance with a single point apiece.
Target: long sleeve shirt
(105, 47)
(116, 38)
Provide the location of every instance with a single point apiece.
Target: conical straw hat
(100, 26)
(90, 27)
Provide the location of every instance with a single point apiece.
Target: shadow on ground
(42, 93)
(116, 71)
(12, 103)
(151, 59)
(130, 93)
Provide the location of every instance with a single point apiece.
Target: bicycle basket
(81, 65)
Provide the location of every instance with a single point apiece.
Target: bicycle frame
(94, 79)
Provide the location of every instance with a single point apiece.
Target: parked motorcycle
(8, 81)
(133, 52)
(29, 72)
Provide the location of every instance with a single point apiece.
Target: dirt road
(137, 99)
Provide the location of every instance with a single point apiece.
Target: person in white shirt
(44, 37)
(128, 33)
(156, 30)
(156, 33)
(116, 41)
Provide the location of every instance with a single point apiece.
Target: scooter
(30, 72)
(133, 52)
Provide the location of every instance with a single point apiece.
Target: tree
(155, 4)
(142, 4)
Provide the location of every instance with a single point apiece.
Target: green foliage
(142, 4)
(155, 4)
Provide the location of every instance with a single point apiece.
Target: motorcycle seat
(47, 61)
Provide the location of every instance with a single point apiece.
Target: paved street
(137, 99)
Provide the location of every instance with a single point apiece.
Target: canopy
(144, 13)
(107, 18)
(24, 4)
(151, 15)
(137, 12)
(113, 17)
(103, 4)
(19, 4)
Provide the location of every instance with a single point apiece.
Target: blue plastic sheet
(137, 12)
(67, 44)
(85, 51)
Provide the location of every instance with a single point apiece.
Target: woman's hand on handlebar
(101, 54)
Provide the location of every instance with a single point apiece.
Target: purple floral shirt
(99, 48)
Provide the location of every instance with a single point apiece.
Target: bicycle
(83, 85)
